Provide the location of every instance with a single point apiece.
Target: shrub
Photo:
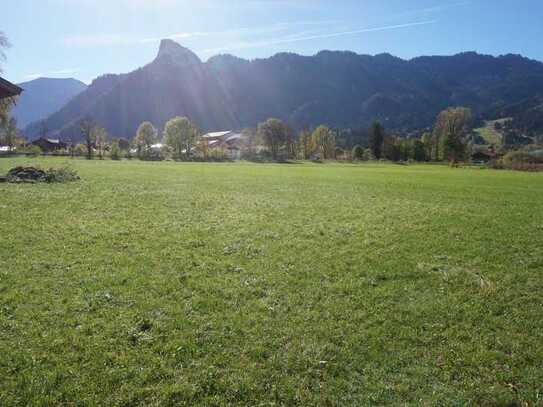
(358, 153)
(36, 174)
(368, 155)
(33, 150)
(519, 157)
(80, 150)
(62, 174)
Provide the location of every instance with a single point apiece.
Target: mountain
(44, 96)
(340, 89)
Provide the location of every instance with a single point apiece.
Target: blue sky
(86, 38)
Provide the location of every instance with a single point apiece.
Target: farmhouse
(483, 156)
(227, 140)
(8, 89)
(49, 144)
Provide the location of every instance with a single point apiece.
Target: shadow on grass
(283, 162)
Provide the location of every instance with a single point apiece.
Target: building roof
(8, 89)
(217, 134)
(48, 140)
(234, 137)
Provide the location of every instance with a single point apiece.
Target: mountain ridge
(339, 88)
(43, 96)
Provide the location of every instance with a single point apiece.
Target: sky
(84, 39)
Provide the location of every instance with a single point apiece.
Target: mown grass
(242, 284)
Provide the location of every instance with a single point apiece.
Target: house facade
(49, 144)
(8, 89)
(228, 141)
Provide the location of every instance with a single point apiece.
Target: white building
(230, 141)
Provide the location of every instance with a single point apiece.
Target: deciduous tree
(181, 136)
(87, 126)
(146, 136)
(100, 137)
(305, 143)
(115, 152)
(9, 133)
(325, 142)
(274, 135)
(451, 128)
(358, 153)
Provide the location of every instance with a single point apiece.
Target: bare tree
(4, 43)
(87, 131)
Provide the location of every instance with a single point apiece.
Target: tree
(10, 133)
(87, 131)
(5, 104)
(368, 155)
(115, 152)
(325, 142)
(376, 139)
(450, 130)
(249, 143)
(100, 137)
(390, 149)
(358, 153)
(419, 151)
(290, 143)
(181, 136)
(274, 134)
(146, 136)
(305, 143)
(124, 144)
(430, 146)
(4, 43)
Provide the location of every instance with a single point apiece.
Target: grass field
(244, 284)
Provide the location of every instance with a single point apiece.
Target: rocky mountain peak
(175, 53)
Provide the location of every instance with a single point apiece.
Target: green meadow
(271, 285)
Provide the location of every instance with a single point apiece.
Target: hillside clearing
(490, 134)
(243, 284)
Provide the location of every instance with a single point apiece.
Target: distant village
(453, 139)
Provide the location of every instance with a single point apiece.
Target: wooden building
(8, 89)
(48, 144)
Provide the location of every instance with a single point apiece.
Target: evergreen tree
(376, 139)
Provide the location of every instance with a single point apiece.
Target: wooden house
(8, 89)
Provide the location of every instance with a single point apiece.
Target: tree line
(273, 140)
